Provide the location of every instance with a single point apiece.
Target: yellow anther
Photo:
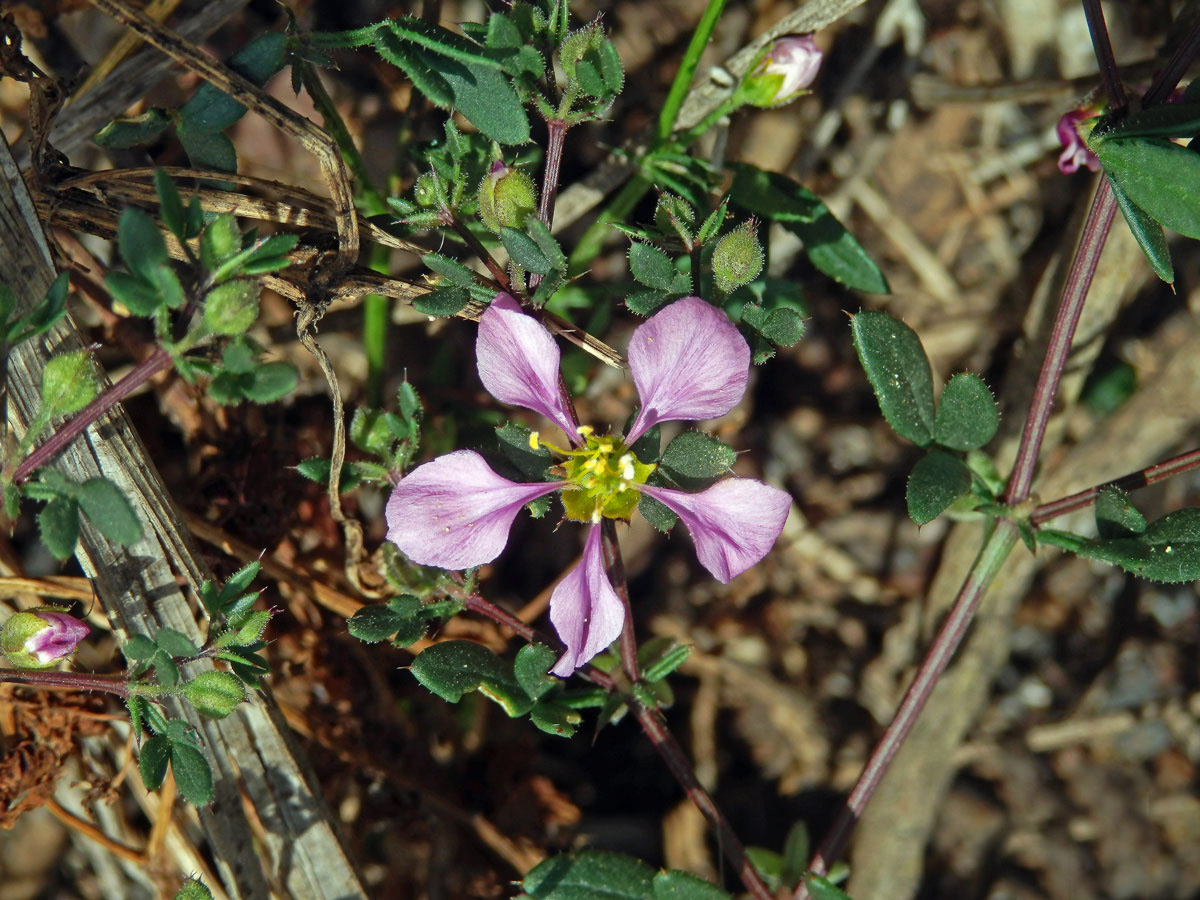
(534, 440)
(585, 430)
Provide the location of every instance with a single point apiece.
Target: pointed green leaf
(137, 131)
(452, 270)
(1116, 516)
(694, 459)
(524, 251)
(1147, 232)
(1168, 551)
(531, 669)
(139, 242)
(894, 360)
(967, 416)
(822, 889)
(1160, 177)
(589, 875)
(68, 383)
(937, 480)
(170, 204)
(444, 302)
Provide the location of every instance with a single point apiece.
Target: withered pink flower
(1075, 150)
(688, 362)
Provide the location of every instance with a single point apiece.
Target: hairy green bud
(738, 258)
(194, 889)
(507, 198)
(214, 694)
(674, 214)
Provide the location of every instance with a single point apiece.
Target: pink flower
(39, 638)
(688, 362)
(1075, 151)
(784, 72)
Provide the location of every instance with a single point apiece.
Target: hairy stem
(1161, 471)
(481, 251)
(141, 373)
(68, 681)
(616, 574)
(556, 131)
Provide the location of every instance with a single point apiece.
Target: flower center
(602, 478)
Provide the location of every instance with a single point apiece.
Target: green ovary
(604, 476)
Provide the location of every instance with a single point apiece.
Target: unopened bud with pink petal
(1072, 134)
(784, 73)
(39, 638)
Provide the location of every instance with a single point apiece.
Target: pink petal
(585, 610)
(688, 362)
(59, 639)
(734, 523)
(455, 512)
(518, 362)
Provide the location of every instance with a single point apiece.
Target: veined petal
(734, 523)
(688, 362)
(585, 610)
(518, 362)
(455, 512)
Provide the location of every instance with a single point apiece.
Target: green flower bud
(39, 638)
(674, 214)
(214, 694)
(507, 198)
(603, 76)
(194, 889)
(425, 191)
(783, 73)
(738, 258)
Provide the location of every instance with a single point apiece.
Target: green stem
(376, 308)
(687, 68)
(618, 210)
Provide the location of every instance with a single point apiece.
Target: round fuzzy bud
(784, 72)
(738, 258)
(39, 638)
(194, 889)
(214, 694)
(507, 197)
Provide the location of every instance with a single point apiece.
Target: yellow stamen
(534, 440)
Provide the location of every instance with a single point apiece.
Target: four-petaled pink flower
(688, 362)
(1076, 152)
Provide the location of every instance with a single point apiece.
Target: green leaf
(441, 41)
(376, 431)
(1116, 516)
(452, 270)
(110, 511)
(139, 648)
(426, 80)
(1168, 120)
(650, 266)
(531, 666)
(794, 859)
(514, 445)
(317, 469)
(823, 889)
(271, 381)
(1160, 177)
(937, 480)
(1147, 232)
(524, 251)
(38, 320)
(248, 628)
(1168, 551)
(139, 242)
(175, 643)
(454, 668)
(829, 246)
(139, 296)
(156, 754)
(547, 243)
(68, 383)
(589, 875)
(58, 525)
(122, 134)
(232, 307)
(656, 513)
(210, 109)
(165, 669)
(220, 241)
(643, 303)
(664, 661)
(783, 326)
(193, 776)
(693, 460)
(209, 150)
(379, 621)
(263, 255)
(170, 205)
(967, 416)
(446, 301)
(674, 884)
(894, 360)
(555, 718)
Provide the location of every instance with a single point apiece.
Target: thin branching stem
(1160, 471)
(67, 681)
